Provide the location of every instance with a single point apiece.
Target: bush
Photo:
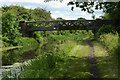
(110, 41)
(106, 29)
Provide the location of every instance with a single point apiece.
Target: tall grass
(42, 66)
(110, 41)
(107, 64)
(108, 60)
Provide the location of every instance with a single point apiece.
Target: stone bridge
(28, 28)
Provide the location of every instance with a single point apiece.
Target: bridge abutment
(23, 26)
(97, 25)
(24, 31)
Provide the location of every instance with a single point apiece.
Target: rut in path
(92, 62)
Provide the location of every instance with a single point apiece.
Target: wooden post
(23, 26)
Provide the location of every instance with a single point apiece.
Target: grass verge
(8, 48)
(107, 63)
(76, 66)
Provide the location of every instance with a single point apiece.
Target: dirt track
(92, 62)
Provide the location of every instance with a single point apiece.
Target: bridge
(28, 28)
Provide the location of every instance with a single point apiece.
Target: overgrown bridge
(27, 28)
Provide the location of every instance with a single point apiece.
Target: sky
(57, 9)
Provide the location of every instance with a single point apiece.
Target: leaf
(83, 9)
(81, 6)
(72, 8)
(96, 7)
(70, 3)
(77, 5)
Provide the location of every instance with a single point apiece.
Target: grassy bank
(13, 54)
(22, 43)
(9, 48)
(68, 59)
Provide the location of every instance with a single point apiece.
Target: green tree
(81, 18)
(10, 28)
(41, 14)
(59, 18)
(22, 13)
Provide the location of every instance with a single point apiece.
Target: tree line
(13, 14)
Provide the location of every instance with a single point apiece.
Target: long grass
(107, 64)
(61, 62)
(107, 55)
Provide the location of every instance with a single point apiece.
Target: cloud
(57, 9)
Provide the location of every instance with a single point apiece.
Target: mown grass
(71, 36)
(106, 62)
(76, 66)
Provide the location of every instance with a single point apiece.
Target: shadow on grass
(73, 68)
(107, 62)
(108, 67)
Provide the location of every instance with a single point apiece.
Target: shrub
(106, 29)
(110, 41)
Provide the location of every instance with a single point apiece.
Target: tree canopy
(81, 18)
(13, 14)
(59, 18)
(22, 13)
(110, 8)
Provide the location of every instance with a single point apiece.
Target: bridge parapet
(30, 27)
(61, 25)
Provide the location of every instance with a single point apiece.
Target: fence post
(23, 26)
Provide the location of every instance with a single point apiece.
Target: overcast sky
(56, 8)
